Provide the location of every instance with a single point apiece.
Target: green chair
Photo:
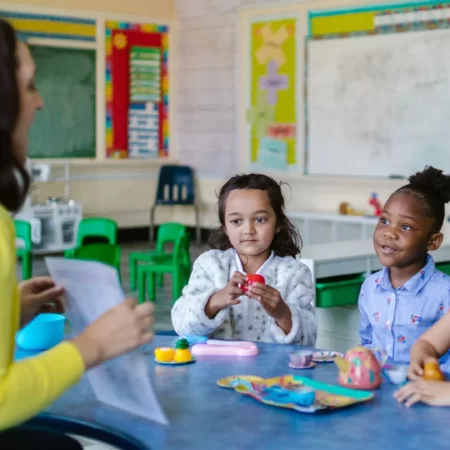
(23, 231)
(99, 227)
(167, 233)
(178, 264)
(105, 253)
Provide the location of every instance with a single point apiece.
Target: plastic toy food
(359, 369)
(431, 371)
(251, 279)
(164, 354)
(182, 352)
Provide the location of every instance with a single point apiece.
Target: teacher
(29, 386)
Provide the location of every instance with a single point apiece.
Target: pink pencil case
(215, 347)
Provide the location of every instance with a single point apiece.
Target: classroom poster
(272, 115)
(137, 90)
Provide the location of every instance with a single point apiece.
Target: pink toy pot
(359, 369)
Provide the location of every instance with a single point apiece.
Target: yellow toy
(180, 355)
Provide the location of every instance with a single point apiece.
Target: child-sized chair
(95, 227)
(176, 186)
(105, 253)
(23, 232)
(178, 264)
(167, 233)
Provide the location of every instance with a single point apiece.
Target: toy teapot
(359, 369)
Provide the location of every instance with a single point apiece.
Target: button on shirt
(393, 319)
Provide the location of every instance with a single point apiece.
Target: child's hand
(270, 299)
(415, 371)
(228, 296)
(435, 393)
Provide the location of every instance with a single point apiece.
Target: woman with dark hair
(254, 237)
(29, 386)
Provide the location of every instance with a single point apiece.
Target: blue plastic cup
(43, 332)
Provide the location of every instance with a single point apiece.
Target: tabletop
(205, 416)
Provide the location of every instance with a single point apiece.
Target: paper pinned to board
(91, 289)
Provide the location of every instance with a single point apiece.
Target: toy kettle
(359, 369)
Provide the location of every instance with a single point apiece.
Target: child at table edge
(409, 295)
(255, 236)
(434, 343)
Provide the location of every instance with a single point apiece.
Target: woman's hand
(39, 295)
(435, 393)
(271, 301)
(121, 329)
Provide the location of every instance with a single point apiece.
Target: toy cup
(397, 374)
(251, 279)
(301, 358)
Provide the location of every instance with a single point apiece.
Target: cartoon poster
(273, 107)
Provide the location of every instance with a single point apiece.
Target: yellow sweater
(29, 386)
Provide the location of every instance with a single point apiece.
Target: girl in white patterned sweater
(255, 236)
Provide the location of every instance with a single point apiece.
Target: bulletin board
(272, 88)
(137, 90)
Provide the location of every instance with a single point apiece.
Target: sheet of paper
(92, 289)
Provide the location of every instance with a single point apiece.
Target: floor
(163, 307)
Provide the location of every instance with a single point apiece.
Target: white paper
(91, 289)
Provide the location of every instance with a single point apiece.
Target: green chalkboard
(65, 128)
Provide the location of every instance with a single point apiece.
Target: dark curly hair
(14, 178)
(432, 188)
(287, 241)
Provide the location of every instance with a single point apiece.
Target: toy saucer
(326, 356)
(172, 363)
(310, 366)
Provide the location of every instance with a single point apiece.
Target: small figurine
(432, 371)
(346, 210)
(375, 202)
(359, 369)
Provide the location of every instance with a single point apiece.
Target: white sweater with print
(248, 320)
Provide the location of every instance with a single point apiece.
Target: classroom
(149, 108)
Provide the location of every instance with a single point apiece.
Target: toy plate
(172, 363)
(327, 397)
(326, 356)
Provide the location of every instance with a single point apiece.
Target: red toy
(251, 279)
(375, 202)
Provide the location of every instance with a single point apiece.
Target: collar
(414, 284)
(241, 268)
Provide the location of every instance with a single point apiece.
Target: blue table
(205, 416)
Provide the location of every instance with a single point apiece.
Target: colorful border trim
(368, 19)
(110, 26)
(53, 27)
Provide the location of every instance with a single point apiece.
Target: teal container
(43, 332)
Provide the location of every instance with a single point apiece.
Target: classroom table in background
(205, 416)
(351, 257)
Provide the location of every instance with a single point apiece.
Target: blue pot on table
(43, 332)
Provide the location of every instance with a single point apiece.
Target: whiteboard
(379, 105)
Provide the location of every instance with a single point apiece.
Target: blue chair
(176, 186)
